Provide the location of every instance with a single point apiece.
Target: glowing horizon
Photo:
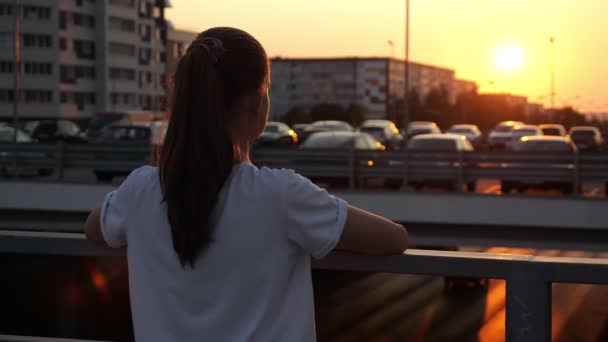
(462, 35)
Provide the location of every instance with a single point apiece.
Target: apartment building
(177, 44)
(374, 83)
(79, 57)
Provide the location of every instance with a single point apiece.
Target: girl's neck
(242, 152)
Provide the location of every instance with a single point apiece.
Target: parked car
(521, 131)
(541, 145)
(415, 128)
(552, 129)
(471, 132)
(501, 134)
(325, 126)
(427, 144)
(299, 129)
(587, 138)
(53, 131)
(338, 140)
(123, 135)
(385, 131)
(103, 119)
(7, 136)
(277, 133)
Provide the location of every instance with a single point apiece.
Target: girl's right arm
(368, 233)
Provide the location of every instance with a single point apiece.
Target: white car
(415, 128)
(385, 131)
(471, 132)
(501, 134)
(521, 131)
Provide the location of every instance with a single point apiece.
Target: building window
(7, 96)
(80, 99)
(7, 67)
(145, 32)
(33, 68)
(145, 9)
(37, 96)
(63, 44)
(72, 73)
(122, 74)
(123, 3)
(83, 20)
(36, 12)
(84, 49)
(123, 98)
(122, 25)
(121, 49)
(6, 10)
(37, 40)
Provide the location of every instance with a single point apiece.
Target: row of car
(54, 131)
(426, 137)
(507, 134)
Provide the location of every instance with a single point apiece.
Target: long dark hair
(220, 67)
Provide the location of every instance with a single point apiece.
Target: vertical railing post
(352, 175)
(406, 168)
(460, 171)
(59, 159)
(577, 174)
(528, 305)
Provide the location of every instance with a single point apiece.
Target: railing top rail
(440, 263)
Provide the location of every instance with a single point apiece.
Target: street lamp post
(552, 41)
(406, 111)
(16, 68)
(16, 86)
(406, 114)
(392, 45)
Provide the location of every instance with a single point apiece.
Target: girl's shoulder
(141, 179)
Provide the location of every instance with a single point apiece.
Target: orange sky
(460, 34)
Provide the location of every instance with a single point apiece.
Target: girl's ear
(252, 103)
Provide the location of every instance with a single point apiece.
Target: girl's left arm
(92, 228)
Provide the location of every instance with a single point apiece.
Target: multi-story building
(177, 43)
(374, 83)
(79, 57)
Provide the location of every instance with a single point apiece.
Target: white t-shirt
(253, 283)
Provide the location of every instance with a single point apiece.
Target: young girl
(218, 249)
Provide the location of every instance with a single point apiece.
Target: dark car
(385, 131)
(587, 138)
(277, 133)
(545, 145)
(423, 147)
(325, 126)
(123, 135)
(53, 131)
(102, 120)
(337, 141)
(7, 136)
(553, 129)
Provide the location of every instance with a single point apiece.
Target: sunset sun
(509, 57)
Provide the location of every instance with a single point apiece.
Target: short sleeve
(315, 218)
(115, 211)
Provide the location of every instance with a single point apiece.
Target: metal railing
(528, 278)
(351, 167)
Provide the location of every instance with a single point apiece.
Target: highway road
(388, 307)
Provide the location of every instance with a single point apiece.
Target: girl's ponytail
(219, 68)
